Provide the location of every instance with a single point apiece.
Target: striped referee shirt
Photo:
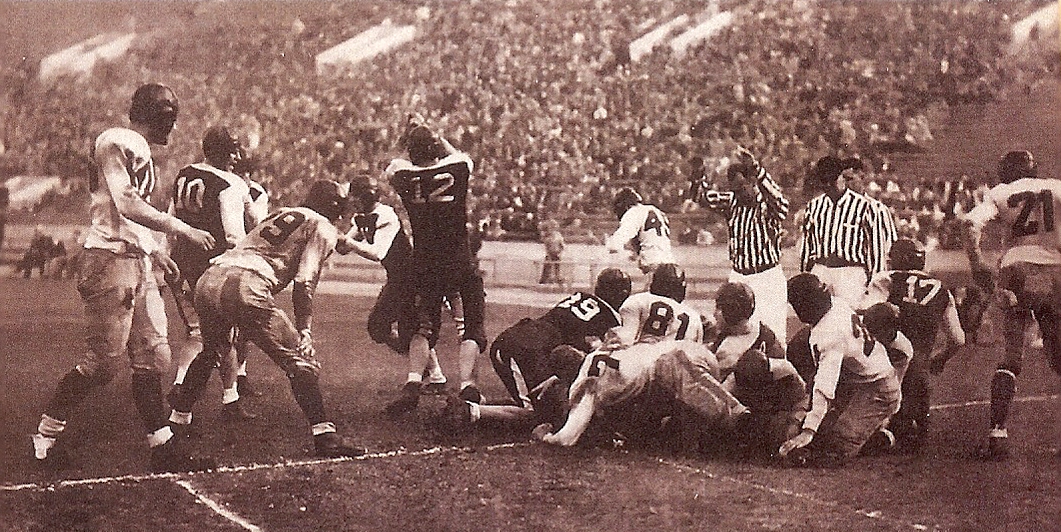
(754, 227)
(854, 230)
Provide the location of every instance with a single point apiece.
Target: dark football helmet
(364, 193)
(882, 321)
(423, 145)
(155, 106)
(668, 281)
(752, 369)
(736, 301)
(809, 297)
(1017, 165)
(624, 199)
(907, 254)
(328, 198)
(613, 286)
(221, 148)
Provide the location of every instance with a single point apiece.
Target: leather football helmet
(613, 286)
(906, 254)
(624, 199)
(221, 148)
(736, 302)
(328, 198)
(155, 106)
(1017, 165)
(809, 297)
(364, 193)
(668, 281)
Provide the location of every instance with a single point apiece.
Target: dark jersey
(201, 194)
(436, 199)
(579, 316)
(922, 302)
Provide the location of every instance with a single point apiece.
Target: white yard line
(218, 508)
(966, 404)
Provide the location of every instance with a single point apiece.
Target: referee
(755, 208)
(846, 235)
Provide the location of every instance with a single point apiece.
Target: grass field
(414, 479)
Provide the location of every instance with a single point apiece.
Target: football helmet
(736, 302)
(1016, 165)
(752, 369)
(613, 286)
(221, 148)
(882, 321)
(809, 297)
(668, 281)
(624, 199)
(155, 106)
(907, 254)
(423, 145)
(328, 198)
(364, 193)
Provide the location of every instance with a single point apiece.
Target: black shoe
(166, 458)
(332, 445)
(410, 397)
(456, 417)
(244, 387)
(880, 442)
(471, 394)
(995, 449)
(234, 412)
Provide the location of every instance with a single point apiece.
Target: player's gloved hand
(796, 442)
(541, 431)
(200, 238)
(305, 346)
(344, 245)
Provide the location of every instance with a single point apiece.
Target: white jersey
(625, 373)
(649, 229)
(843, 350)
(122, 218)
(1030, 208)
(372, 234)
(647, 317)
(258, 208)
(292, 244)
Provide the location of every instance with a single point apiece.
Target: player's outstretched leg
(1003, 388)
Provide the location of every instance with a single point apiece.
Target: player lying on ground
(237, 291)
(526, 359)
(676, 374)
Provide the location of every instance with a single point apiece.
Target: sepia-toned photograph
(510, 265)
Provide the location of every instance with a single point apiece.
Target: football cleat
(457, 414)
(880, 442)
(234, 412)
(166, 458)
(245, 388)
(471, 394)
(332, 445)
(434, 388)
(995, 449)
(410, 397)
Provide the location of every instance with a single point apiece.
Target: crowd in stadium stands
(548, 101)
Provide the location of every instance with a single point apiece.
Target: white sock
(242, 371)
(323, 428)
(475, 412)
(229, 396)
(182, 371)
(414, 377)
(159, 437)
(465, 384)
(180, 418)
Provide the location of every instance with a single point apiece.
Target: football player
(115, 279)
(377, 235)
(526, 359)
(237, 291)
(849, 364)
(208, 196)
(1028, 284)
(245, 166)
(643, 227)
(660, 313)
(676, 375)
(925, 307)
(433, 186)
